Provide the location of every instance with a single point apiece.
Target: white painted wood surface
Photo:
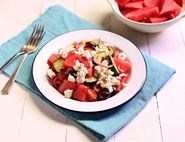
(26, 118)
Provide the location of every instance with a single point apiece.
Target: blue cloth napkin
(57, 20)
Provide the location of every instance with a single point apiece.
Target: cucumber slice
(58, 65)
(114, 68)
(91, 79)
(103, 48)
(99, 57)
(111, 50)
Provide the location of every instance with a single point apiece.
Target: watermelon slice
(152, 3)
(67, 85)
(52, 59)
(135, 5)
(179, 2)
(142, 14)
(121, 3)
(170, 6)
(158, 19)
(80, 93)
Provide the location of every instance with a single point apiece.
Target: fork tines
(37, 35)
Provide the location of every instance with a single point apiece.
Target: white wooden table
(26, 118)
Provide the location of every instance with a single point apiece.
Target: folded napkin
(57, 20)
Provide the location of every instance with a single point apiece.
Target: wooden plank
(16, 15)
(144, 127)
(14, 18)
(97, 13)
(182, 29)
(69, 4)
(11, 108)
(41, 122)
(76, 133)
(50, 125)
(169, 48)
(82, 135)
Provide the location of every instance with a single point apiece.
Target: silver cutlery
(12, 58)
(30, 47)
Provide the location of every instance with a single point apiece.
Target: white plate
(137, 78)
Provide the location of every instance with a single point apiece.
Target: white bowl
(136, 80)
(144, 27)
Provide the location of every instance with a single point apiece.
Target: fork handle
(10, 60)
(10, 82)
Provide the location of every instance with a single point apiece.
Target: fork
(20, 52)
(31, 46)
(12, 58)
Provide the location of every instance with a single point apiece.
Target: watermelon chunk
(52, 59)
(87, 64)
(80, 93)
(67, 85)
(152, 3)
(124, 79)
(125, 12)
(158, 19)
(122, 65)
(135, 5)
(70, 60)
(121, 3)
(170, 6)
(143, 13)
(179, 2)
(171, 16)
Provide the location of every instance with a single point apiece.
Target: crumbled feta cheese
(80, 79)
(122, 56)
(81, 75)
(65, 51)
(81, 71)
(68, 93)
(122, 74)
(97, 49)
(99, 69)
(109, 87)
(71, 78)
(80, 50)
(106, 73)
(93, 53)
(78, 65)
(105, 63)
(50, 73)
(115, 81)
(106, 80)
(91, 63)
(87, 54)
(60, 51)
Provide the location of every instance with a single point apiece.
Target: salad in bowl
(89, 70)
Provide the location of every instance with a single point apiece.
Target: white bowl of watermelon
(148, 16)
